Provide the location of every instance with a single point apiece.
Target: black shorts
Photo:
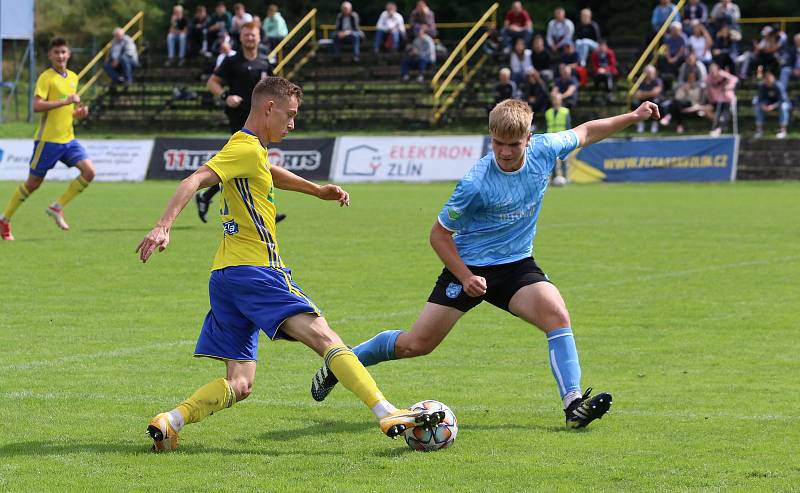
(502, 282)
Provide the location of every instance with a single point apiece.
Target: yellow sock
(20, 194)
(75, 187)
(211, 397)
(345, 365)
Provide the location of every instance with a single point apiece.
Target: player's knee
(558, 317)
(413, 347)
(88, 172)
(242, 387)
(33, 184)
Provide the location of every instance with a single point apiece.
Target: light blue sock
(379, 348)
(564, 361)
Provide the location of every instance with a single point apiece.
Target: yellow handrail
(656, 39)
(326, 28)
(490, 12)
(460, 65)
(278, 50)
(770, 20)
(139, 17)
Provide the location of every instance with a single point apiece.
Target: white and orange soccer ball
(442, 436)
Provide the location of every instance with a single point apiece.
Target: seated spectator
(559, 31)
(225, 50)
(772, 97)
(695, 10)
(587, 35)
(275, 28)
(688, 100)
(517, 25)
(566, 86)
(661, 12)
(700, 43)
(505, 88)
(198, 32)
(122, 59)
(692, 65)
(348, 30)
(604, 68)
(422, 17)
(541, 59)
(725, 13)
(650, 89)
(421, 55)
(390, 24)
(676, 50)
(220, 22)
(178, 32)
(520, 61)
(493, 45)
(558, 119)
(725, 50)
(534, 91)
(570, 57)
(791, 66)
(240, 17)
(720, 95)
(765, 54)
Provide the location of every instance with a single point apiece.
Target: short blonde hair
(511, 119)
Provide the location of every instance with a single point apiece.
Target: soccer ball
(425, 440)
(559, 181)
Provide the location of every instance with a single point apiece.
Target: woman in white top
(701, 42)
(520, 61)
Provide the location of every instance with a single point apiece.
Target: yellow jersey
(247, 205)
(56, 125)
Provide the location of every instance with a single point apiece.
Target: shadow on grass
(512, 427)
(45, 448)
(145, 230)
(316, 429)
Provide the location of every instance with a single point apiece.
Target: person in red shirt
(517, 25)
(604, 68)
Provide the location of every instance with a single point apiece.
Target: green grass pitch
(684, 301)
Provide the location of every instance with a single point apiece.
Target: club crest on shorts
(453, 290)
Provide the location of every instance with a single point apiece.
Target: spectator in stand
(220, 22)
(650, 89)
(198, 32)
(493, 45)
(541, 59)
(559, 30)
(535, 92)
(765, 53)
(240, 18)
(422, 17)
(225, 50)
(725, 50)
(558, 119)
(421, 55)
(587, 36)
(676, 50)
(689, 100)
(570, 57)
(178, 32)
(695, 10)
(791, 66)
(123, 58)
(692, 66)
(275, 28)
(505, 88)
(348, 30)
(520, 61)
(725, 13)
(604, 68)
(700, 42)
(661, 12)
(772, 97)
(517, 25)
(720, 85)
(566, 86)
(390, 25)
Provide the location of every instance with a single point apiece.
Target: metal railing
(771, 20)
(136, 19)
(440, 26)
(439, 88)
(277, 52)
(654, 42)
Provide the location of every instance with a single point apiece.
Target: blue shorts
(47, 154)
(245, 299)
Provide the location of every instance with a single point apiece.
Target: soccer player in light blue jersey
(484, 236)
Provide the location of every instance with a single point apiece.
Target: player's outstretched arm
(597, 130)
(286, 180)
(158, 237)
(444, 246)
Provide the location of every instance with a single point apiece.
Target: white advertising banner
(412, 158)
(114, 160)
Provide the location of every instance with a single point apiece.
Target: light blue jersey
(493, 213)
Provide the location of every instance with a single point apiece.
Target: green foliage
(683, 299)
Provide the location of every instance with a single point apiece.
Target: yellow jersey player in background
(250, 288)
(55, 97)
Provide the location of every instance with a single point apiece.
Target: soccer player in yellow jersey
(56, 99)
(250, 287)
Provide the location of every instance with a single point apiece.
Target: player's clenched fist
(157, 238)
(474, 286)
(646, 111)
